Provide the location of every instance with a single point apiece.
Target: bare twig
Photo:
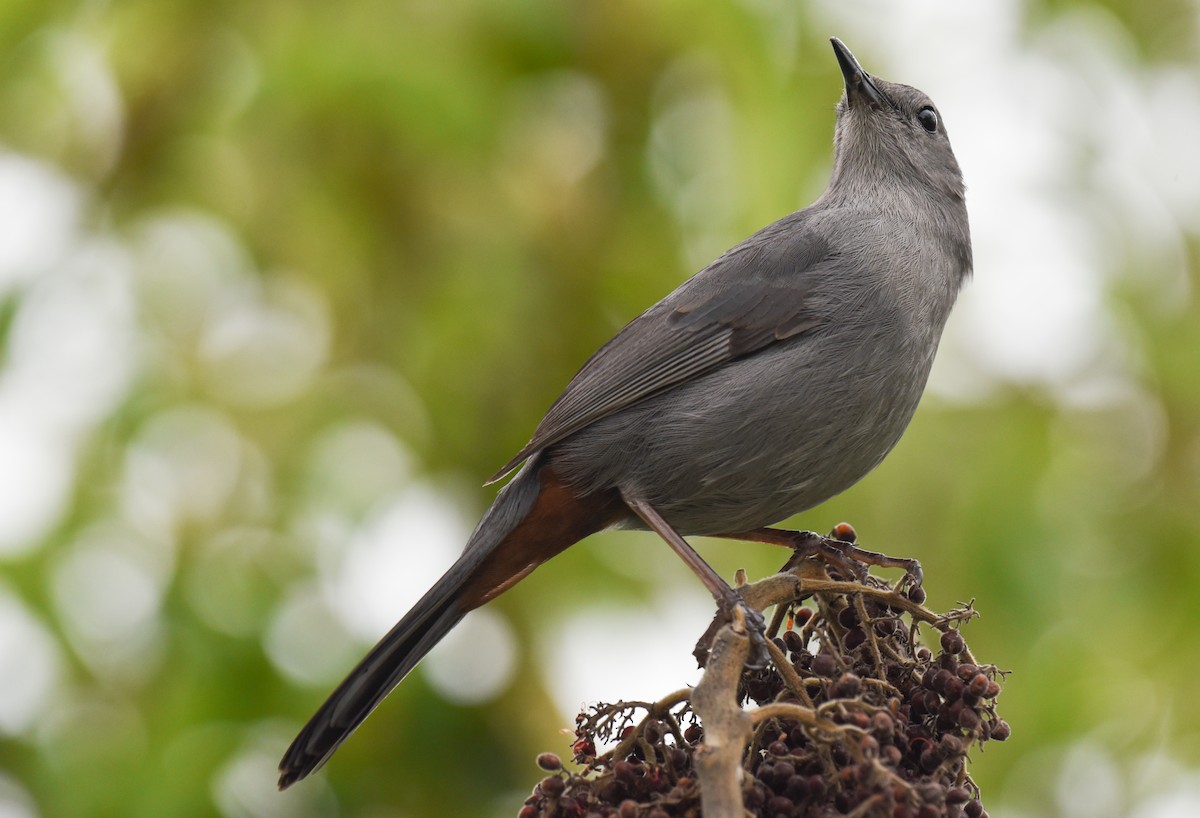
(727, 727)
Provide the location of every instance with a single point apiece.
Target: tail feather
(368, 684)
(533, 518)
(406, 644)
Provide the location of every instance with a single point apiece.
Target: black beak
(860, 89)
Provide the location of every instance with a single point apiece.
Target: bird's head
(889, 133)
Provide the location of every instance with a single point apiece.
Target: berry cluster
(872, 724)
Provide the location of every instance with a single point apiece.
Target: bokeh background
(281, 283)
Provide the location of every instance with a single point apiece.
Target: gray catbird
(771, 380)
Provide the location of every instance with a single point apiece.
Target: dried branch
(727, 727)
(853, 716)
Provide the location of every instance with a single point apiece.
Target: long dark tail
(533, 518)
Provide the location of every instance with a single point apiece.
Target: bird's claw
(756, 629)
(840, 551)
(736, 611)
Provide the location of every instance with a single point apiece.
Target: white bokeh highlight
(372, 578)
(355, 465)
(476, 661)
(108, 596)
(30, 665)
(372, 572)
(609, 652)
(181, 467)
(70, 352)
(15, 800)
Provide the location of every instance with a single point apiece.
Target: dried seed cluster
(872, 723)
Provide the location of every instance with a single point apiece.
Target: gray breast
(760, 438)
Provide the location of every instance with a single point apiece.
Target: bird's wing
(753, 296)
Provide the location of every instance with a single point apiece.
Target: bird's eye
(928, 119)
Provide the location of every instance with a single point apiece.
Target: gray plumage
(783, 372)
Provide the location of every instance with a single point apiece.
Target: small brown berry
(624, 771)
(824, 665)
(848, 617)
(844, 532)
(918, 706)
(957, 795)
(612, 791)
(783, 771)
(549, 762)
(918, 746)
(796, 788)
(780, 803)
(552, 786)
(978, 684)
(948, 714)
(1000, 730)
(930, 792)
(847, 686)
(929, 760)
(952, 642)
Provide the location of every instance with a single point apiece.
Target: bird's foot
(734, 610)
(839, 551)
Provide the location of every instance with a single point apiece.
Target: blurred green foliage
(459, 202)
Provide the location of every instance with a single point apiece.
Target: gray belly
(758, 440)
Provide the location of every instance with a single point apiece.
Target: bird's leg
(838, 549)
(727, 598)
